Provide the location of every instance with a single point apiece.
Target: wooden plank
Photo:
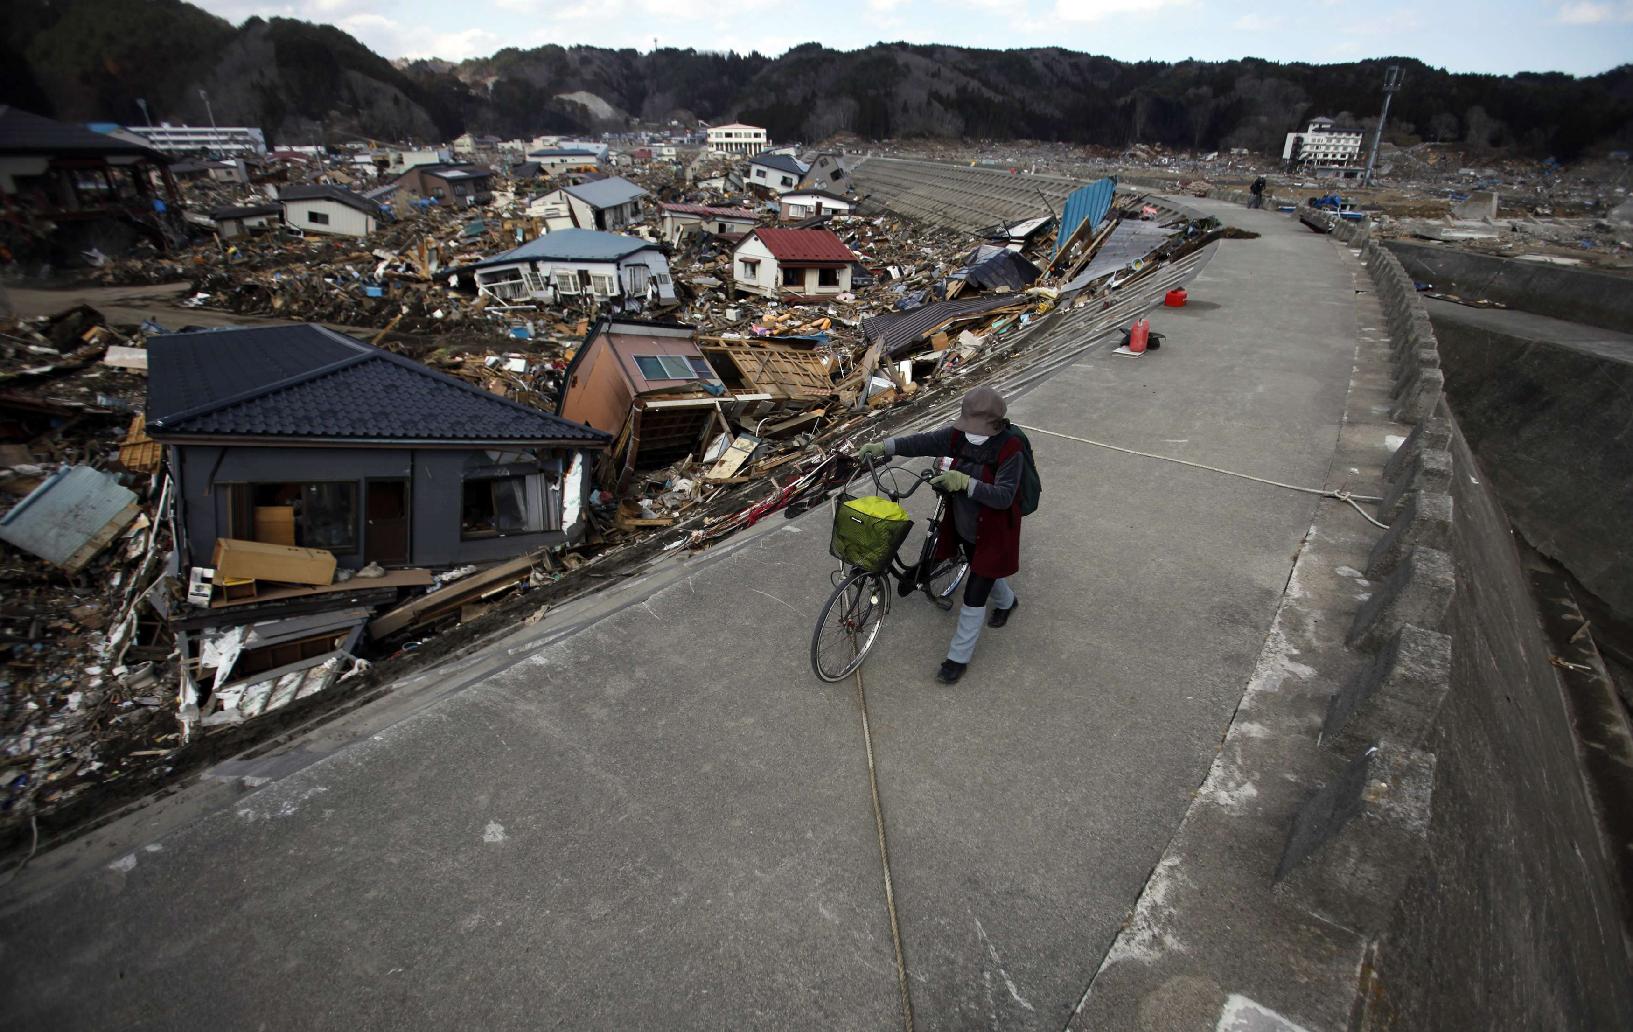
(412, 578)
(452, 595)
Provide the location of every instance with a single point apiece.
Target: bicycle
(867, 548)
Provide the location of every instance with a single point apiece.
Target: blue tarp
(1085, 203)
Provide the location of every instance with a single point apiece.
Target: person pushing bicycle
(983, 515)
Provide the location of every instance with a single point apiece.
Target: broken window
(637, 278)
(787, 181)
(751, 268)
(602, 284)
(759, 173)
(505, 493)
(793, 277)
(307, 515)
(827, 277)
(317, 218)
(566, 282)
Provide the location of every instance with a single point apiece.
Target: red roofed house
(801, 264)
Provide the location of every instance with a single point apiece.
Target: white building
(738, 138)
(225, 139)
(559, 159)
(1324, 146)
(329, 209)
(579, 264)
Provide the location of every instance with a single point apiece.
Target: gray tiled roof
(307, 381)
(329, 192)
(606, 193)
(780, 162)
(25, 133)
(585, 245)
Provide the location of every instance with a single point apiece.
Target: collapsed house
(797, 264)
(675, 220)
(460, 185)
(65, 190)
(302, 437)
(246, 219)
(659, 390)
(828, 172)
(579, 265)
(554, 160)
(330, 210)
(606, 204)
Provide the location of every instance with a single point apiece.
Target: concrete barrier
(1418, 592)
(1355, 843)
(1425, 520)
(1434, 432)
(1428, 470)
(1396, 699)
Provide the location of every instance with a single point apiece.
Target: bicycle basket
(867, 531)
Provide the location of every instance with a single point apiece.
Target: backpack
(1030, 489)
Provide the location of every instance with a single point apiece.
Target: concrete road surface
(662, 819)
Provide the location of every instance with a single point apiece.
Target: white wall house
(738, 139)
(579, 265)
(774, 174)
(805, 204)
(329, 209)
(809, 264)
(1324, 145)
(558, 159)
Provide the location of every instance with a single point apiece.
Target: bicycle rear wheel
(944, 579)
(849, 625)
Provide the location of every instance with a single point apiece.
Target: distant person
(1257, 189)
(983, 513)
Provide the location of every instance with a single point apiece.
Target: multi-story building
(738, 139)
(1325, 148)
(186, 139)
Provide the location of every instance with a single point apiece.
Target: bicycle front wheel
(849, 625)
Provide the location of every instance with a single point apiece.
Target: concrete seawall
(1515, 915)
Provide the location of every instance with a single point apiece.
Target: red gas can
(1175, 298)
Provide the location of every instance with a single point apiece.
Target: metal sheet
(1131, 241)
(70, 512)
(1086, 203)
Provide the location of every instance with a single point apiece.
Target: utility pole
(211, 111)
(1392, 85)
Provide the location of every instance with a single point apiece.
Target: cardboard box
(275, 524)
(257, 560)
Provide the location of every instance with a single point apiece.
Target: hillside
(91, 59)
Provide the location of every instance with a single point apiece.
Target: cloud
(1096, 10)
(1586, 12)
(1257, 22)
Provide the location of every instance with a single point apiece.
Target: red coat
(997, 531)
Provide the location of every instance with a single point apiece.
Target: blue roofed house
(606, 204)
(580, 265)
(301, 435)
(772, 174)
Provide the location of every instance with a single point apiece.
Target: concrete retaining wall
(1466, 833)
(1549, 423)
(1563, 293)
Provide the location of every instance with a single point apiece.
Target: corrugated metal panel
(1131, 241)
(899, 330)
(1085, 203)
(70, 517)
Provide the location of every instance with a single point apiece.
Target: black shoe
(1000, 617)
(950, 672)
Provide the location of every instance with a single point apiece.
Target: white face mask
(978, 439)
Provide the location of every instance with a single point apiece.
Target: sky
(1582, 37)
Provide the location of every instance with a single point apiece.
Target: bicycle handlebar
(918, 480)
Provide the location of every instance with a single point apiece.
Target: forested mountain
(91, 60)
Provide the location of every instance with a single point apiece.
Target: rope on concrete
(884, 858)
(1342, 496)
